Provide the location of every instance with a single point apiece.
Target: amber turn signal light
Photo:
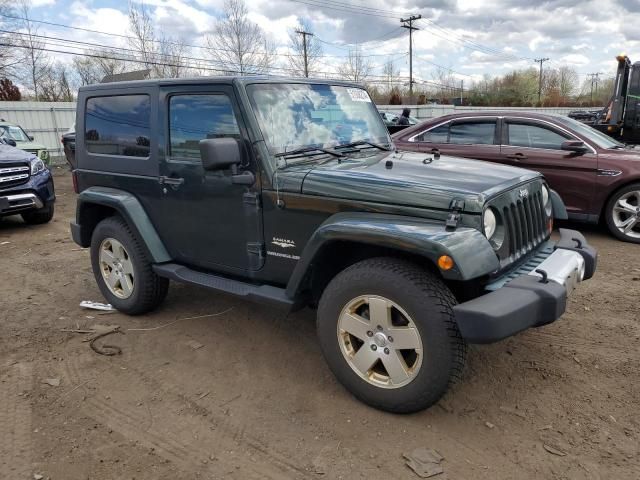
(445, 262)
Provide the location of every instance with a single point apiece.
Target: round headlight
(490, 223)
(546, 201)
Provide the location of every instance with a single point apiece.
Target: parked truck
(621, 117)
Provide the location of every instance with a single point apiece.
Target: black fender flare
(129, 207)
(470, 250)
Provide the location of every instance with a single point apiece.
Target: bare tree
(238, 44)
(163, 55)
(312, 50)
(568, 81)
(8, 58)
(391, 74)
(54, 84)
(96, 65)
(356, 67)
(35, 61)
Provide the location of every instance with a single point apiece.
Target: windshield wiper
(362, 142)
(305, 151)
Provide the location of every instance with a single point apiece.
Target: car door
(209, 220)
(468, 137)
(536, 145)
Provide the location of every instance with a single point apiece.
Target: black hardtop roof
(215, 80)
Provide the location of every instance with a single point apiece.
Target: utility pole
(408, 23)
(594, 80)
(461, 92)
(304, 46)
(540, 61)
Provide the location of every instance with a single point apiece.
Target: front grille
(525, 224)
(523, 220)
(12, 175)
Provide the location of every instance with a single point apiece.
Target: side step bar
(258, 293)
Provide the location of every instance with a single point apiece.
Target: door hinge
(456, 207)
(252, 198)
(256, 252)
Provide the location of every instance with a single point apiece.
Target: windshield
(13, 132)
(597, 137)
(294, 116)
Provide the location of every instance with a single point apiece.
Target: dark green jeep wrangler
(291, 192)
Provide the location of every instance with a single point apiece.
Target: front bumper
(529, 300)
(35, 194)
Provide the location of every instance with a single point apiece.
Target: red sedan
(597, 177)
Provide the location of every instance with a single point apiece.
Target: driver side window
(194, 117)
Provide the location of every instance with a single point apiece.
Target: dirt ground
(257, 401)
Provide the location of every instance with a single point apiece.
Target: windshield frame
(596, 137)
(253, 87)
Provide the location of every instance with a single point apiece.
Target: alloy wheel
(116, 268)
(380, 341)
(626, 214)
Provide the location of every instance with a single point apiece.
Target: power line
(351, 8)
(466, 43)
(158, 63)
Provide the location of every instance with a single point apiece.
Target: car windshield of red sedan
(599, 138)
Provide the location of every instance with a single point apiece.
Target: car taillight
(74, 177)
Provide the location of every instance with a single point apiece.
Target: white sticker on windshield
(358, 95)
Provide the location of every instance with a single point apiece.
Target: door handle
(517, 156)
(436, 153)
(173, 182)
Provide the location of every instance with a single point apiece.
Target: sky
(470, 37)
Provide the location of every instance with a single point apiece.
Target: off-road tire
(40, 216)
(149, 289)
(429, 303)
(608, 213)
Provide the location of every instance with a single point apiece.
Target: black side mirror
(574, 146)
(220, 153)
(30, 138)
(8, 141)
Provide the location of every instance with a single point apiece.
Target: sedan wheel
(623, 214)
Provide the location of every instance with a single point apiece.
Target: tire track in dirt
(190, 438)
(15, 421)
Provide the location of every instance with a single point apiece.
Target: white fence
(431, 111)
(45, 121)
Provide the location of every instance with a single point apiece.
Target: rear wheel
(121, 269)
(623, 214)
(40, 216)
(387, 331)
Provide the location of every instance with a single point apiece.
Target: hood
(30, 146)
(414, 179)
(13, 154)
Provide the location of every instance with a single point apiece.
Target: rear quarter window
(118, 125)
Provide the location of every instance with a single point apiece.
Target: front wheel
(387, 331)
(38, 217)
(623, 214)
